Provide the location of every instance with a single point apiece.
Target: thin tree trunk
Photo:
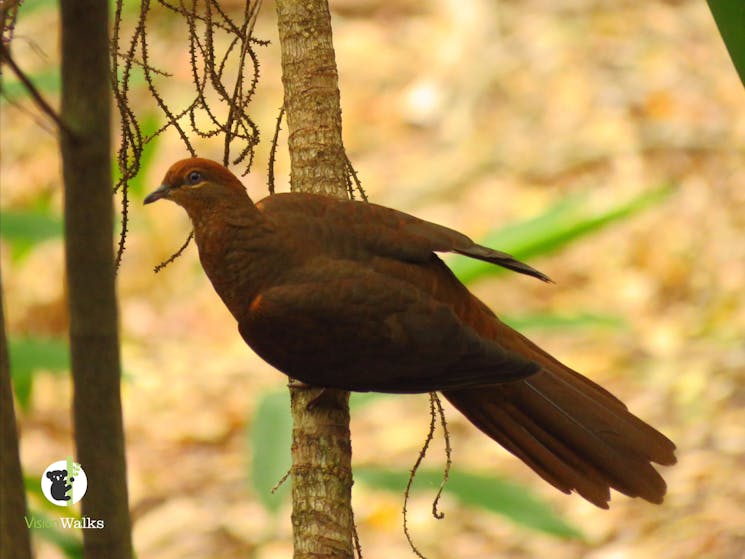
(89, 227)
(312, 105)
(14, 533)
(321, 449)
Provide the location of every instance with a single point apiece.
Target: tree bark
(321, 450)
(312, 106)
(89, 228)
(15, 540)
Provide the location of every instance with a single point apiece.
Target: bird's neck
(213, 214)
(233, 240)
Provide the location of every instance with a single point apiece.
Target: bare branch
(436, 412)
(36, 95)
(204, 21)
(273, 150)
(175, 255)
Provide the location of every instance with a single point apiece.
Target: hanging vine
(224, 71)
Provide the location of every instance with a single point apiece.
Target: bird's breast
(240, 264)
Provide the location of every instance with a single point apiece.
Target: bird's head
(198, 185)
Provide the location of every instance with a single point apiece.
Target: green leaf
(271, 437)
(38, 5)
(561, 224)
(24, 229)
(730, 18)
(359, 400)
(30, 226)
(561, 322)
(38, 353)
(490, 493)
(270, 440)
(45, 81)
(23, 385)
(69, 545)
(28, 355)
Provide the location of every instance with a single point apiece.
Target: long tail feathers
(571, 432)
(501, 259)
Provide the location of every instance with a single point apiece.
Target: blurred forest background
(602, 140)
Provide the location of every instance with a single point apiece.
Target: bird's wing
(338, 324)
(382, 230)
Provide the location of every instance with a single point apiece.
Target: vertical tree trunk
(311, 98)
(14, 533)
(321, 449)
(94, 340)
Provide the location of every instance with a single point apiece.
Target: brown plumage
(350, 295)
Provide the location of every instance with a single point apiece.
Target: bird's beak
(161, 192)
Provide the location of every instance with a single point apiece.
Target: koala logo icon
(64, 482)
(59, 479)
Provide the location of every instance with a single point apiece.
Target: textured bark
(94, 339)
(14, 534)
(321, 474)
(311, 102)
(321, 449)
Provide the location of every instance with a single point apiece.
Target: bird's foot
(299, 384)
(326, 397)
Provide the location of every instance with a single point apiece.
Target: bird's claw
(324, 399)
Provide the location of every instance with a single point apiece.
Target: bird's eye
(194, 177)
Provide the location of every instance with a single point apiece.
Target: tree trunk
(311, 98)
(94, 339)
(14, 533)
(321, 449)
